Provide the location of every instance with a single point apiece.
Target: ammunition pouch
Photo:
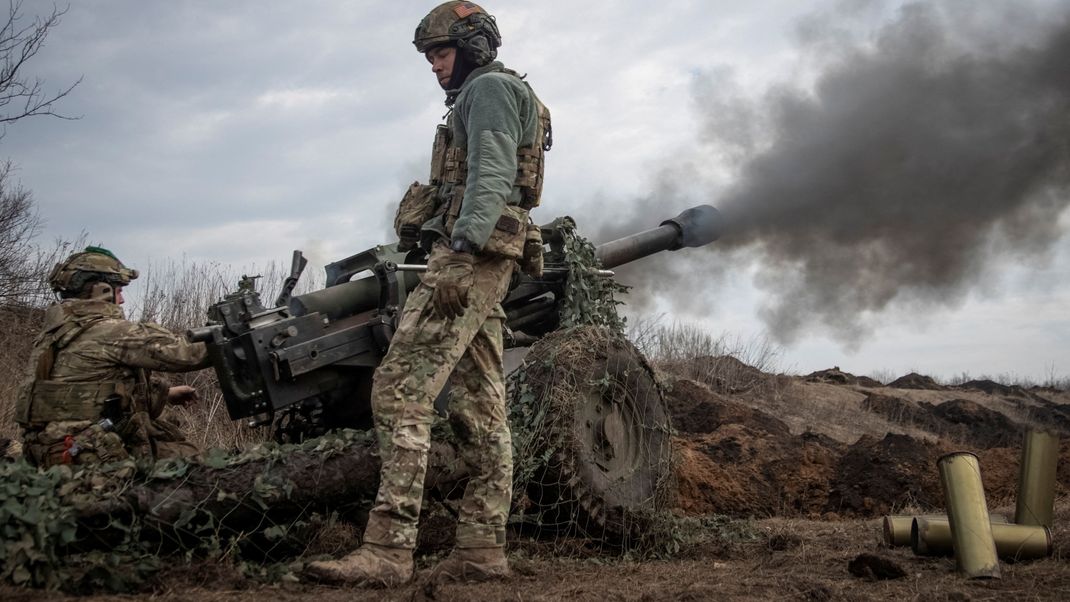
(531, 262)
(529, 170)
(529, 175)
(417, 206)
(456, 166)
(438, 155)
(73, 442)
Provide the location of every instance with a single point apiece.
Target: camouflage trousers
(79, 442)
(427, 351)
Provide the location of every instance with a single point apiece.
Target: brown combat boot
(472, 565)
(371, 565)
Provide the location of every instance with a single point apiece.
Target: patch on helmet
(102, 251)
(466, 9)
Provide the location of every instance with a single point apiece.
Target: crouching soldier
(90, 395)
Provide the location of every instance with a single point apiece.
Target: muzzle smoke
(919, 162)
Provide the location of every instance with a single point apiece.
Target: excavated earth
(805, 466)
(736, 459)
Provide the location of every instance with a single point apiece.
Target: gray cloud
(917, 163)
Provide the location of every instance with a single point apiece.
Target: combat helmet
(94, 264)
(464, 25)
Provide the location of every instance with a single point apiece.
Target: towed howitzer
(306, 365)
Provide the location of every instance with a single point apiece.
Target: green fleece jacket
(495, 114)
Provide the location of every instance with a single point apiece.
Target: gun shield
(932, 537)
(1036, 479)
(971, 528)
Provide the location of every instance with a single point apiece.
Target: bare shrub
(883, 375)
(24, 293)
(725, 363)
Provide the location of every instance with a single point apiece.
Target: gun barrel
(695, 227)
(339, 301)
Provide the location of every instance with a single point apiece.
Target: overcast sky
(237, 131)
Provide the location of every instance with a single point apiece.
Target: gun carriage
(305, 364)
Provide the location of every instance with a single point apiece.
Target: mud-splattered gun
(307, 363)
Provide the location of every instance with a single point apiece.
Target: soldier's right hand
(451, 287)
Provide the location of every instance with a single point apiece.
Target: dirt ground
(805, 466)
(790, 559)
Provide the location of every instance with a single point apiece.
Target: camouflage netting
(591, 432)
(592, 439)
(589, 298)
(86, 527)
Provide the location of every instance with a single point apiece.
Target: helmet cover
(464, 25)
(92, 264)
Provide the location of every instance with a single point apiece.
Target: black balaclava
(462, 68)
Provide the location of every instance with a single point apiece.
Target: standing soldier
(90, 396)
(486, 173)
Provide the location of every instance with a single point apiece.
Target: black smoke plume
(922, 159)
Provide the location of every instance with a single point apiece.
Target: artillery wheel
(587, 410)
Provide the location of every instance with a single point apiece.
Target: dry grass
(724, 363)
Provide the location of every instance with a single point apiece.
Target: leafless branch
(20, 95)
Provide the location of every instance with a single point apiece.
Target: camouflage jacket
(88, 352)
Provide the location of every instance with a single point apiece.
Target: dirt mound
(736, 460)
(1052, 416)
(836, 376)
(832, 375)
(740, 471)
(991, 387)
(916, 381)
(723, 373)
(871, 383)
(960, 420)
(904, 411)
(972, 423)
(876, 476)
(695, 408)
(999, 472)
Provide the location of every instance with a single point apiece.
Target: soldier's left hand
(454, 278)
(182, 395)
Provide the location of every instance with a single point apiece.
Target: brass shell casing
(971, 528)
(897, 527)
(1036, 479)
(932, 537)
